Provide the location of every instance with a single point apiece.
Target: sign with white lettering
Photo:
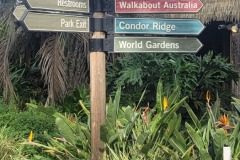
(18, 11)
(158, 26)
(157, 44)
(159, 6)
(55, 22)
(59, 5)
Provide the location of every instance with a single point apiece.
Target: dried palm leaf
(53, 68)
(6, 42)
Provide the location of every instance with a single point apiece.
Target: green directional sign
(59, 5)
(18, 11)
(55, 22)
(157, 44)
(158, 26)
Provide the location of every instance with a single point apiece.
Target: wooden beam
(98, 95)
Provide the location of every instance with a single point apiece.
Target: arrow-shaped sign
(157, 44)
(158, 26)
(159, 6)
(59, 5)
(55, 22)
(18, 11)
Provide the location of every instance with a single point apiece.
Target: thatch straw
(212, 10)
(215, 10)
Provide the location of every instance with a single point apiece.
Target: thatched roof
(215, 10)
(212, 10)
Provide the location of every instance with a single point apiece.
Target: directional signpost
(18, 11)
(52, 16)
(157, 44)
(160, 6)
(158, 26)
(55, 22)
(59, 5)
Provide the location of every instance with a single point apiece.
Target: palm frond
(6, 42)
(77, 58)
(53, 68)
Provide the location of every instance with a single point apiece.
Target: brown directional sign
(18, 11)
(157, 44)
(59, 5)
(55, 22)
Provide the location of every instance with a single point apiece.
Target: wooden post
(98, 95)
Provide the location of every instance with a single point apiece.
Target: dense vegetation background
(170, 106)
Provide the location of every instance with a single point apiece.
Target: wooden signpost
(63, 16)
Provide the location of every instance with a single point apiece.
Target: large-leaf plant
(136, 133)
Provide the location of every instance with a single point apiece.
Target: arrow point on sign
(19, 11)
(200, 45)
(201, 6)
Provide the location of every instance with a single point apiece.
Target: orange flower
(223, 120)
(208, 96)
(165, 102)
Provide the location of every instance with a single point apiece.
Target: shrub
(9, 148)
(191, 73)
(19, 123)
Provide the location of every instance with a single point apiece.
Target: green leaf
(51, 112)
(158, 119)
(146, 147)
(171, 127)
(193, 117)
(142, 138)
(112, 110)
(187, 154)
(169, 151)
(236, 103)
(220, 139)
(236, 154)
(104, 133)
(205, 155)
(206, 133)
(174, 96)
(195, 137)
(113, 138)
(65, 131)
(159, 97)
(178, 142)
(113, 153)
(234, 135)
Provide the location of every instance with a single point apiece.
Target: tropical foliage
(158, 132)
(193, 74)
(154, 113)
(59, 58)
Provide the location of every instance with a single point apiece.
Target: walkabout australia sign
(159, 6)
